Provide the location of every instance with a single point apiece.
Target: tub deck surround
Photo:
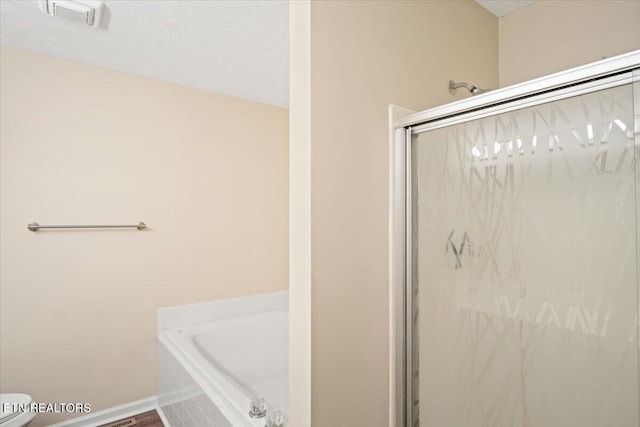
(216, 357)
(191, 314)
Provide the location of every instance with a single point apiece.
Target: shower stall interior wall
(515, 254)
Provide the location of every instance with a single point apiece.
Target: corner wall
(300, 214)
(551, 36)
(80, 144)
(366, 55)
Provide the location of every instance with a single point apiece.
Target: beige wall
(364, 56)
(551, 36)
(79, 144)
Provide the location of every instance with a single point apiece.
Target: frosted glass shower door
(524, 267)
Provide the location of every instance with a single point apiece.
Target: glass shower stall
(515, 255)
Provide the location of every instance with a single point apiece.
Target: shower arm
(475, 90)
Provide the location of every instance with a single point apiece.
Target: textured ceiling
(236, 48)
(504, 7)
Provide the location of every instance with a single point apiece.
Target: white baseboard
(114, 414)
(163, 417)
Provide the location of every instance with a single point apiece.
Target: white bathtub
(214, 358)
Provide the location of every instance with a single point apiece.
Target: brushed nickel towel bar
(34, 226)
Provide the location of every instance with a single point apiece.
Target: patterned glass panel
(524, 267)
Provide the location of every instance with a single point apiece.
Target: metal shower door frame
(607, 73)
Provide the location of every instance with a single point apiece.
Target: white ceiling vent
(87, 12)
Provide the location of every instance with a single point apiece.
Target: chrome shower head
(475, 90)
